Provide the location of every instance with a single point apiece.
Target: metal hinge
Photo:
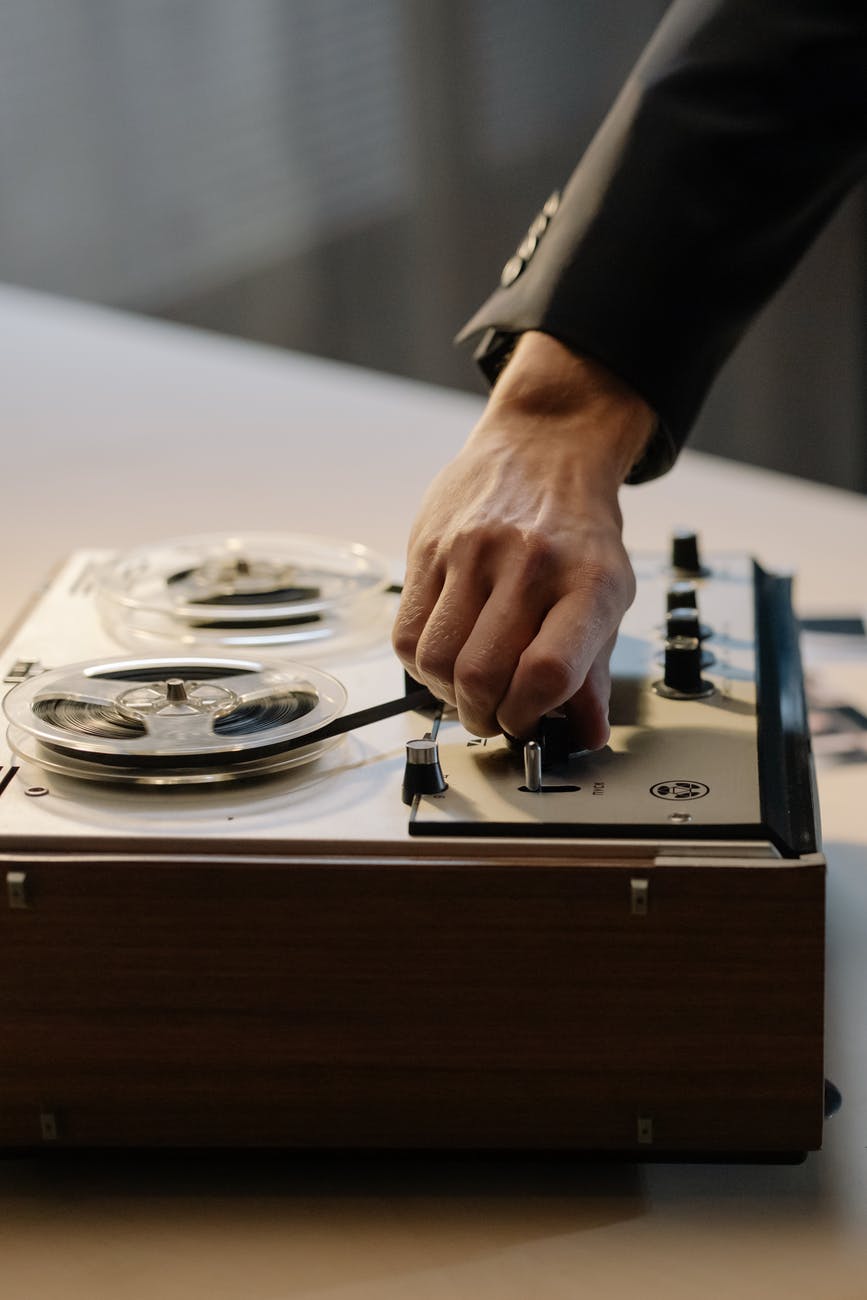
(49, 1127)
(644, 1130)
(16, 889)
(639, 895)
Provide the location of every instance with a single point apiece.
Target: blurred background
(347, 177)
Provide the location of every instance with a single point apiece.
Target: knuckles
(434, 663)
(539, 568)
(606, 591)
(477, 692)
(426, 659)
(554, 677)
(474, 681)
(404, 640)
(489, 545)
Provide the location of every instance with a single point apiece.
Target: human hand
(517, 577)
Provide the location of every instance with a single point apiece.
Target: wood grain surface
(449, 1003)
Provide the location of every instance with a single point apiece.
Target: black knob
(682, 595)
(683, 664)
(684, 553)
(683, 622)
(554, 738)
(422, 773)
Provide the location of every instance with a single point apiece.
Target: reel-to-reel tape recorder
(259, 891)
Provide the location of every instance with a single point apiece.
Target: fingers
(421, 591)
(449, 626)
(475, 631)
(434, 621)
(504, 656)
(587, 710)
(566, 663)
(487, 661)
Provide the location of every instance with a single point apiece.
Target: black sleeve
(740, 130)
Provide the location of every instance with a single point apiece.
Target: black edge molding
(786, 786)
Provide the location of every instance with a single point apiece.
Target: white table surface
(117, 431)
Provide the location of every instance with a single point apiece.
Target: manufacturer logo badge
(679, 790)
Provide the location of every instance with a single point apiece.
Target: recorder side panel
(449, 1003)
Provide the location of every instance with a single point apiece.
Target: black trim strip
(659, 832)
(786, 788)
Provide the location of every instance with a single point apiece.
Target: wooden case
(463, 1001)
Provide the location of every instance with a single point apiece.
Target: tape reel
(246, 591)
(172, 721)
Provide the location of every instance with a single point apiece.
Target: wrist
(547, 391)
